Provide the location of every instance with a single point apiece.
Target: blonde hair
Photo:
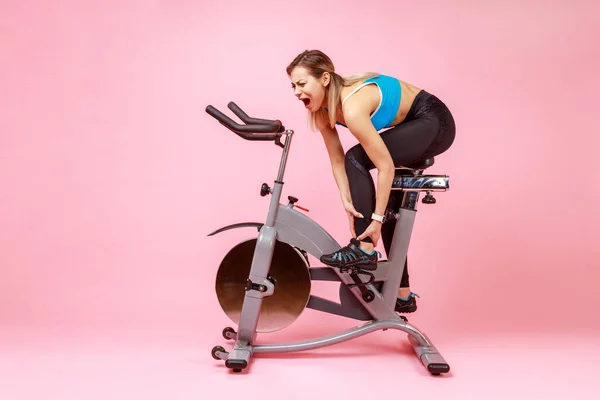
(317, 63)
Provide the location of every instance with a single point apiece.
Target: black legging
(428, 130)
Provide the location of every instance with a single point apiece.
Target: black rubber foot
(436, 369)
(236, 365)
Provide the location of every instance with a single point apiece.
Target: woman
(417, 126)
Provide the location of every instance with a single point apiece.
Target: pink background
(112, 174)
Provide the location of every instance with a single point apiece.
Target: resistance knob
(265, 190)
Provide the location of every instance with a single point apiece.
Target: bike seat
(422, 164)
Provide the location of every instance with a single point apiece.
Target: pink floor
(70, 364)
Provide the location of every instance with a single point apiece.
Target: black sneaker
(351, 257)
(408, 305)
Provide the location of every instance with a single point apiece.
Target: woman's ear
(325, 78)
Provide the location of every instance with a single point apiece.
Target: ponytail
(335, 88)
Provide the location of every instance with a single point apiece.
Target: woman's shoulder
(360, 87)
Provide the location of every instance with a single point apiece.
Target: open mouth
(306, 102)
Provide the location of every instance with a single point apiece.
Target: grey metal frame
(373, 303)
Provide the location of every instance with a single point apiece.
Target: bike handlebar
(270, 129)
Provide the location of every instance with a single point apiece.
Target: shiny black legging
(428, 130)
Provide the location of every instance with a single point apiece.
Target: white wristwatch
(377, 217)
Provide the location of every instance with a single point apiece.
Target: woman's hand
(351, 211)
(373, 231)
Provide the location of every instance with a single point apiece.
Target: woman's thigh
(409, 141)
(406, 143)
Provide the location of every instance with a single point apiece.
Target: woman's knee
(356, 160)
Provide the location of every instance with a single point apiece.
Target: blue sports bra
(391, 92)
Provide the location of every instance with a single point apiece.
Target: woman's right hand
(352, 213)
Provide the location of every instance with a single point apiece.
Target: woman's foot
(352, 256)
(406, 304)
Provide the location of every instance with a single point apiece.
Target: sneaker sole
(406, 310)
(366, 266)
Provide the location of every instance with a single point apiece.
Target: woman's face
(310, 90)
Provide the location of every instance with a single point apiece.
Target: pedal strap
(354, 245)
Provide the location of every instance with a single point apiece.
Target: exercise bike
(264, 284)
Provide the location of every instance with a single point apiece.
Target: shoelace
(346, 253)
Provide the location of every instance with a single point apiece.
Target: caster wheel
(227, 331)
(214, 351)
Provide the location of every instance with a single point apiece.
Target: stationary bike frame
(372, 302)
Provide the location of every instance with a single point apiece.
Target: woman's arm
(336, 156)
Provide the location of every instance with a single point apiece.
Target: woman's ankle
(404, 292)
(367, 247)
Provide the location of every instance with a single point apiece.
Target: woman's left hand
(373, 230)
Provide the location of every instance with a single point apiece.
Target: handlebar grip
(245, 131)
(250, 120)
(219, 116)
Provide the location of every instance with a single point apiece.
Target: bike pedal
(360, 283)
(355, 271)
(361, 271)
(353, 285)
